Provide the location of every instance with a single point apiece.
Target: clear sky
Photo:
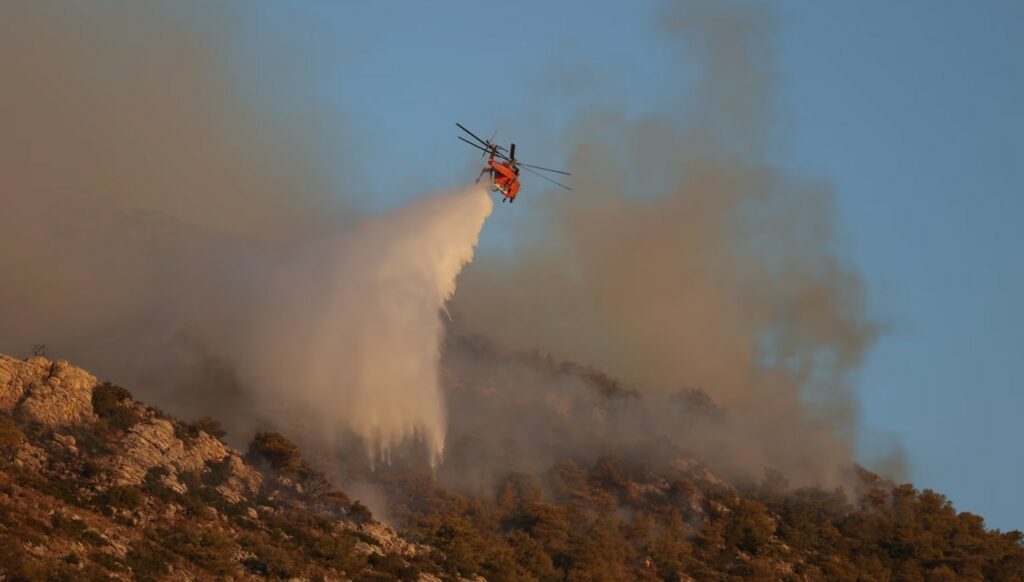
(913, 111)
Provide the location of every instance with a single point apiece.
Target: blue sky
(913, 111)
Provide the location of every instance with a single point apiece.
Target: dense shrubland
(614, 521)
(68, 511)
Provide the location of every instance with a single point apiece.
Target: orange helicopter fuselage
(506, 180)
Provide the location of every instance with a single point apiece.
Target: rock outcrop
(94, 484)
(386, 539)
(53, 393)
(16, 376)
(242, 480)
(153, 443)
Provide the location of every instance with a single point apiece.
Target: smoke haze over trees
(658, 382)
(150, 201)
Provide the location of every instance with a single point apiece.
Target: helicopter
(503, 167)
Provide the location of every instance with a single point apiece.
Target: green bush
(209, 426)
(19, 564)
(279, 452)
(148, 561)
(93, 539)
(108, 561)
(191, 479)
(67, 526)
(93, 440)
(211, 548)
(11, 436)
(154, 484)
(123, 496)
(113, 404)
(359, 512)
(64, 489)
(394, 567)
(273, 559)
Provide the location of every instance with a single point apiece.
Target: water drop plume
(349, 335)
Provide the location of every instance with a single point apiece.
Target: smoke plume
(686, 260)
(139, 187)
(161, 231)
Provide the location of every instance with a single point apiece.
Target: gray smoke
(159, 231)
(157, 228)
(686, 260)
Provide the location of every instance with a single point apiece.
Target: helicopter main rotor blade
(483, 149)
(475, 136)
(478, 138)
(479, 147)
(546, 178)
(545, 169)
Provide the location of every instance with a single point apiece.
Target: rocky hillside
(94, 485)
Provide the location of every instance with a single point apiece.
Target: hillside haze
(223, 365)
(156, 254)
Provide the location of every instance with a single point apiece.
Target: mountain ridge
(96, 485)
